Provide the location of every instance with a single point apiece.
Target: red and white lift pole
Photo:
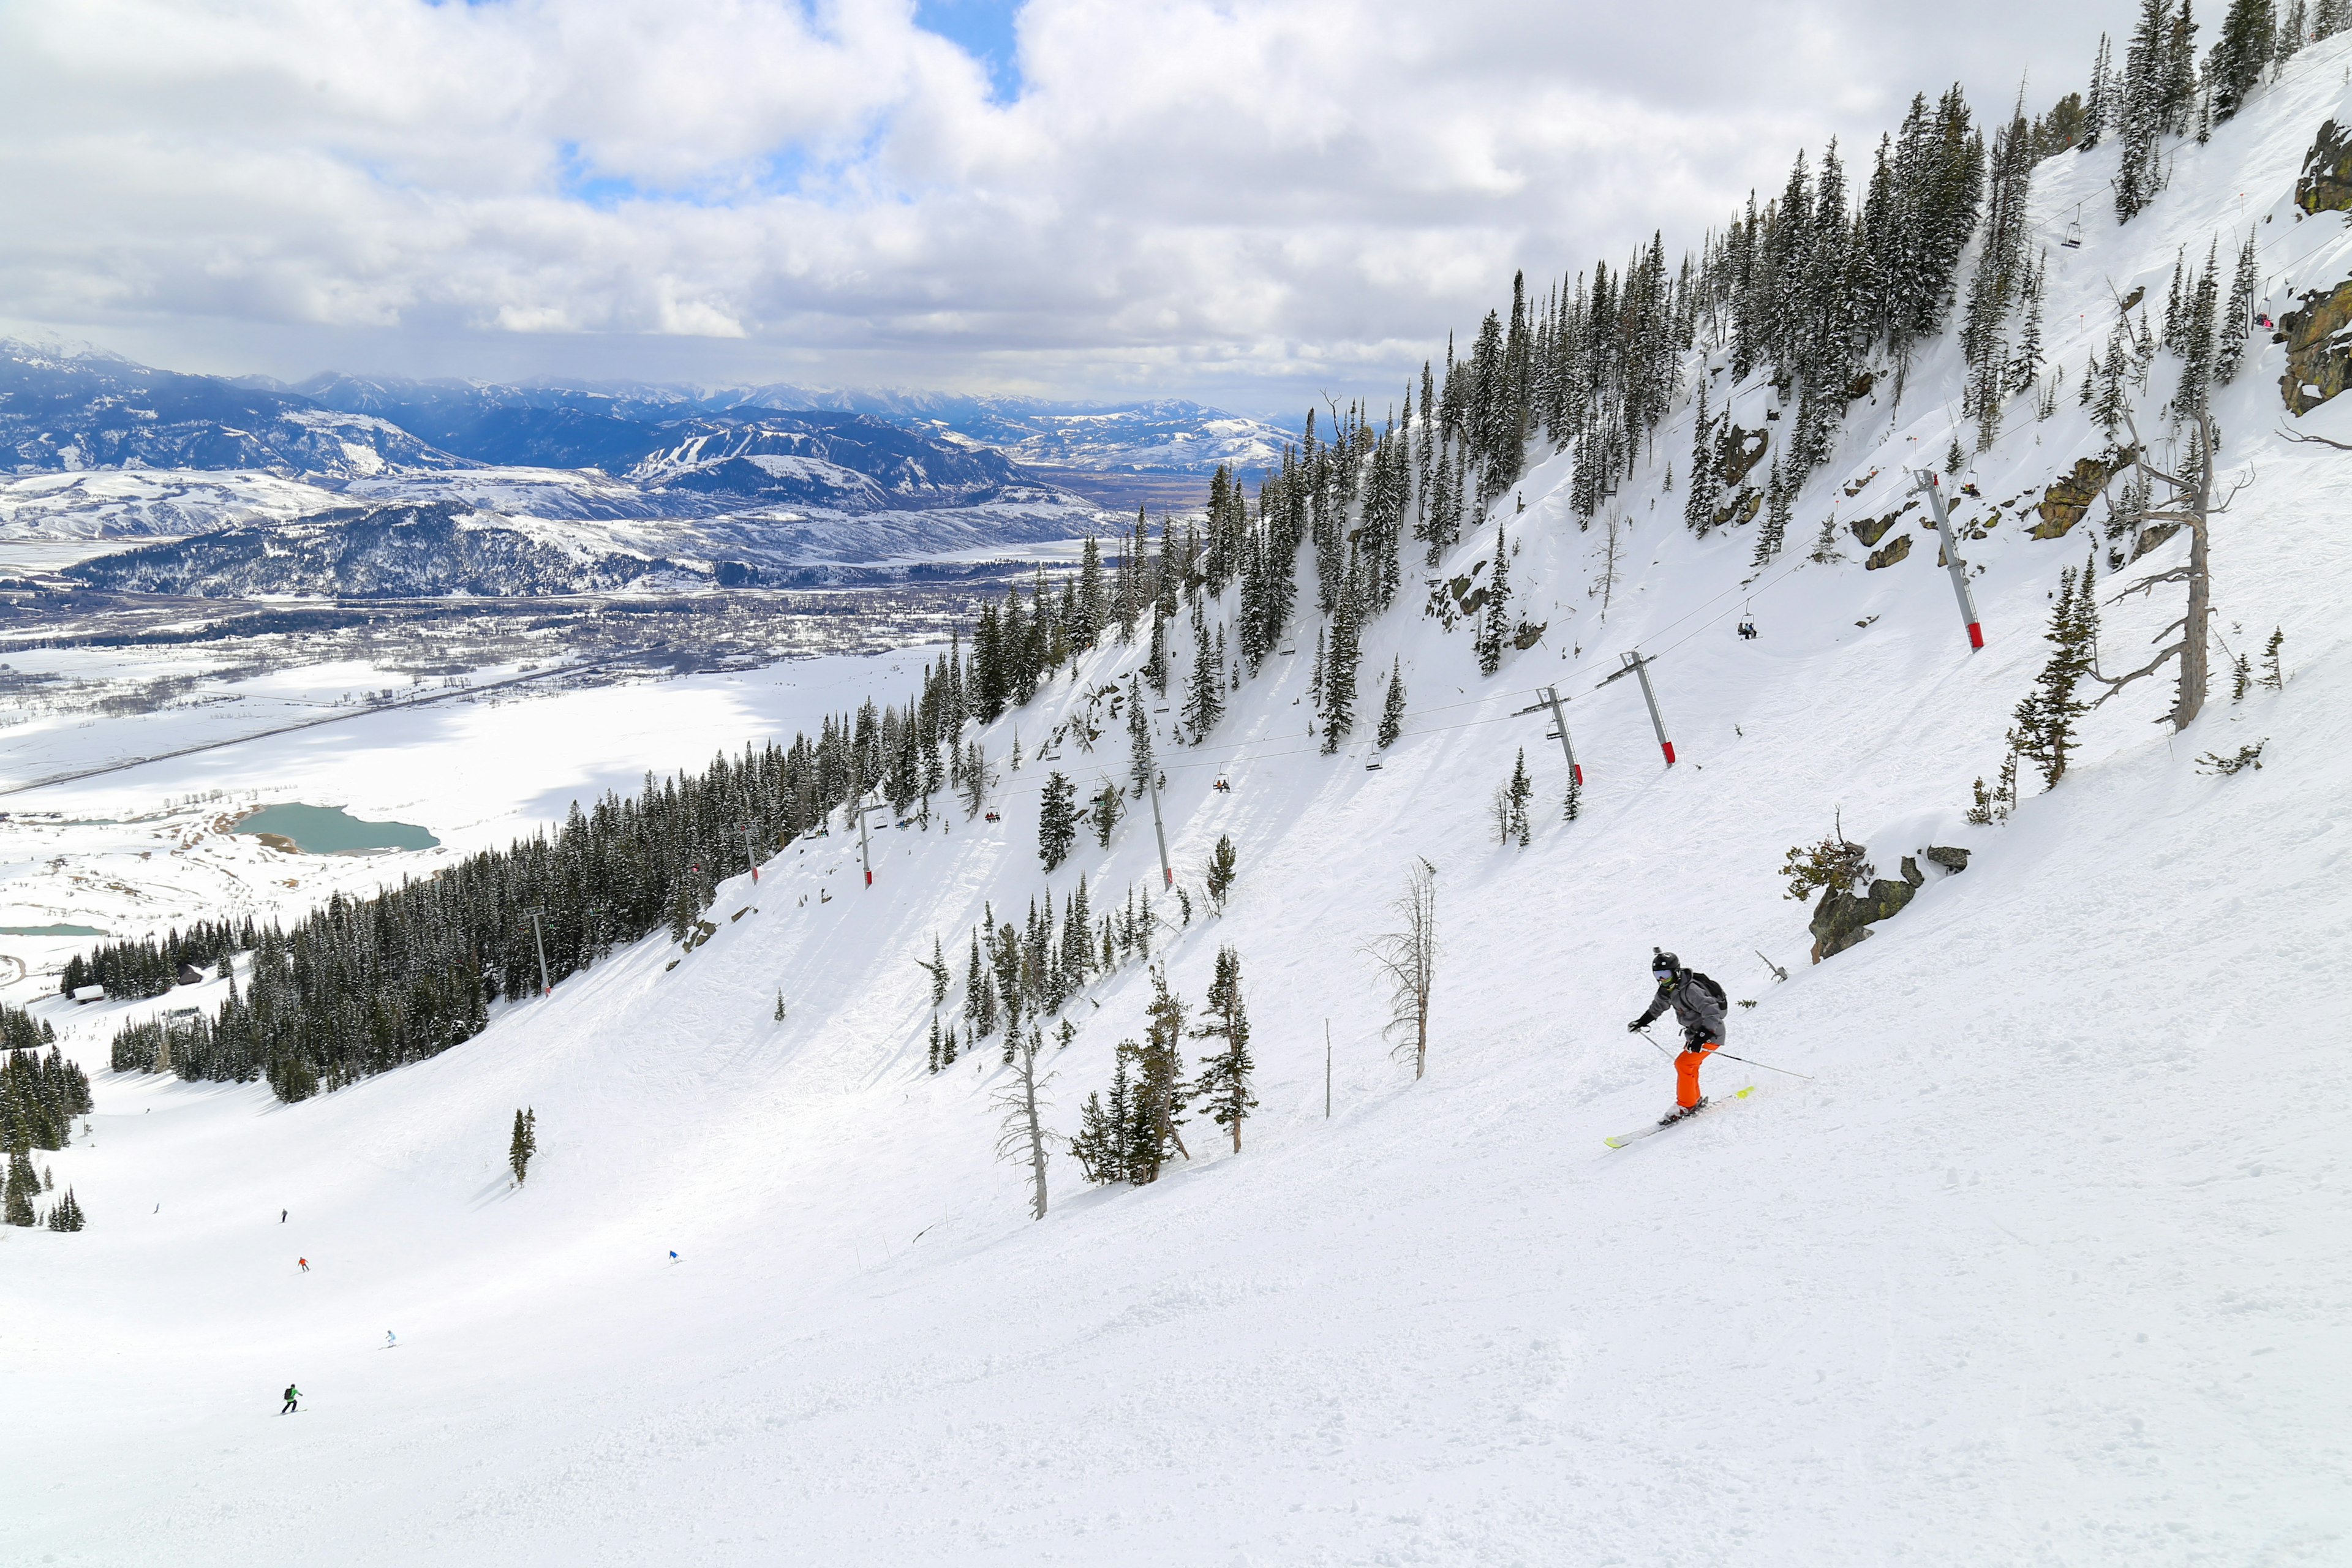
(1639, 668)
(1550, 703)
(1930, 482)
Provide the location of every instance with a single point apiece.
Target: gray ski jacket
(1695, 1006)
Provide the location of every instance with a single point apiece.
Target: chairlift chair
(2074, 240)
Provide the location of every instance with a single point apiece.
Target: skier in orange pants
(1699, 1004)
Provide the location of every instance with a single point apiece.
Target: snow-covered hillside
(2038, 1261)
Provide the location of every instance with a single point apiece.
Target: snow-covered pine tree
(1141, 766)
(1779, 498)
(1204, 694)
(2238, 319)
(1057, 820)
(2239, 54)
(1520, 790)
(2025, 360)
(975, 779)
(1224, 1084)
(1159, 1094)
(2048, 717)
(523, 1143)
(2180, 96)
(1699, 499)
(1219, 873)
(2294, 27)
(16, 1201)
(2140, 108)
(1495, 629)
(1392, 706)
(2098, 103)
(1340, 661)
(2197, 340)
(67, 1215)
(1100, 1146)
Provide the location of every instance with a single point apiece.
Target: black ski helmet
(1663, 960)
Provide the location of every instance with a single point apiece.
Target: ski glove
(1634, 1027)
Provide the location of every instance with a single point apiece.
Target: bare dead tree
(1407, 962)
(1022, 1133)
(2190, 505)
(2316, 440)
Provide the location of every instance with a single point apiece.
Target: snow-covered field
(2042, 1262)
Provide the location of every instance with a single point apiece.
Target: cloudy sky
(1238, 201)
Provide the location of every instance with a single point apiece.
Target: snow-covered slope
(2040, 1262)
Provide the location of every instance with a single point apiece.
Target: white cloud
(1240, 199)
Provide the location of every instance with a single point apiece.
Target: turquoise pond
(330, 830)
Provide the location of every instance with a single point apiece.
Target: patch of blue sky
(983, 29)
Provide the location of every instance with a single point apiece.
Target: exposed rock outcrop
(1887, 554)
(2071, 495)
(2326, 183)
(1842, 919)
(2318, 338)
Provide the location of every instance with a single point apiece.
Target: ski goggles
(1661, 975)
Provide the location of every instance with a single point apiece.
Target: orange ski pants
(1686, 1066)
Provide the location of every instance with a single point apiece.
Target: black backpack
(1713, 990)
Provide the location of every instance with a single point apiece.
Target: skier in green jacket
(292, 1393)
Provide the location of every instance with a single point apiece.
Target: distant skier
(281, 1216)
(389, 1343)
(305, 1263)
(1699, 1004)
(292, 1393)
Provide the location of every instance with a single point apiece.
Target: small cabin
(191, 975)
(89, 993)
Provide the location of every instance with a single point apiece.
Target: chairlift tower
(1549, 700)
(1638, 666)
(540, 943)
(1929, 481)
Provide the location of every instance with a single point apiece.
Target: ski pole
(1726, 1055)
(1767, 1066)
(1654, 1044)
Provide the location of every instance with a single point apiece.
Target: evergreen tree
(2098, 104)
(1340, 662)
(67, 1215)
(523, 1144)
(975, 779)
(1141, 766)
(1104, 811)
(2239, 318)
(1393, 706)
(1520, 791)
(2140, 108)
(1100, 1146)
(1224, 1083)
(1699, 501)
(1091, 605)
(2197, 343)
(2047, 718)
(1779, 501)
(1204, 696)
(931, 1057)
(1057, 820)
(2274, 670)
(1219, 873)
(2239, 56)
(17, 1202)
(939, 973)
(2295, 25)
(1497, 627)
(1160, 1095)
